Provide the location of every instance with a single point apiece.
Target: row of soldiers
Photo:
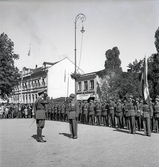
(132, 114)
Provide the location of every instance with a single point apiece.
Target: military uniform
(146, 119)
(39, 109)
(73, 116)
(125, 118)
(55, 112)
(119, 113)
(62, 111)
(139, 111)
(104, 114)
(98, 113)
(85, 112)
(131, 115)
(156, 115)
(111, 113)
(91, 112)
(66, 111)
(80, 112)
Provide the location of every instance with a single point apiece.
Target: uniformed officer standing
(73, 116)
(131, 115)
(85, 112)
(80, 112)
(98, 112)
(111, 112)
(139, 111)
(66, 110)
(39, 110)
(104, 113)
(119, 113)
(91, 113)
(156, 115)
(62, 111)
(146, 119)
(125, 118)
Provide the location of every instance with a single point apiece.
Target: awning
(84, 96)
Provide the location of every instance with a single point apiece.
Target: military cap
(130, 96)
(41, 91)
(137, 99)
(157, 99)
(111, 98)
(119, 100)
(72, 95)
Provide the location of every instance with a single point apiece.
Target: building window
(79, 86)
(43, 82)
(38, 83)
(85, 85)
(91, 84)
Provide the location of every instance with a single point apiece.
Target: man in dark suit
(73, 116)
(39, 110)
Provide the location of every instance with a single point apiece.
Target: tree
(9, 74)
(125, 83)
(157, 40)
(113, 62)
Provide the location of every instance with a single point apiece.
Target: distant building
(56, 80)
(89, 86)
(53, 77)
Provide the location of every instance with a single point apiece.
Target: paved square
(95, 147)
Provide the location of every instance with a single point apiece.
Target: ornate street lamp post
(82, 18)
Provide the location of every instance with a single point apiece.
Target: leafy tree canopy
(157, 40)
(113, 62)
(9, 74)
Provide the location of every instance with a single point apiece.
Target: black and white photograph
(79, 83)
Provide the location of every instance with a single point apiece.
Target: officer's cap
(119, 100)
(130, 96)
(157, 99)
(72, 95)
(137, 99)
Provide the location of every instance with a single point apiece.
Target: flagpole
(67, 85)
(22, 85)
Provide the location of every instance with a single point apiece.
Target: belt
(40, 108)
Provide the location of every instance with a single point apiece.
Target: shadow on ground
(65, 134)
(36, 137)
(125, 131)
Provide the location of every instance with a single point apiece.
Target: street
(95, 147)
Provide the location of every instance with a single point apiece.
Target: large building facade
(56, 79)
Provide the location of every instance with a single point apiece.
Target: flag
(29, 50)
(65, 76)
(144, 90)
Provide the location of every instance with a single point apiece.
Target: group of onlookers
(16, 110)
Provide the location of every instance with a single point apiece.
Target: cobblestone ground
(95, 146)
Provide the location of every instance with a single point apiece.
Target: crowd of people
(130, 114)
(16, 110)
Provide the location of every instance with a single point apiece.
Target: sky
(47, 29)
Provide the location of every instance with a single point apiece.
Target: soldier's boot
(71, 131)
(42, 140)
(38, 135)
